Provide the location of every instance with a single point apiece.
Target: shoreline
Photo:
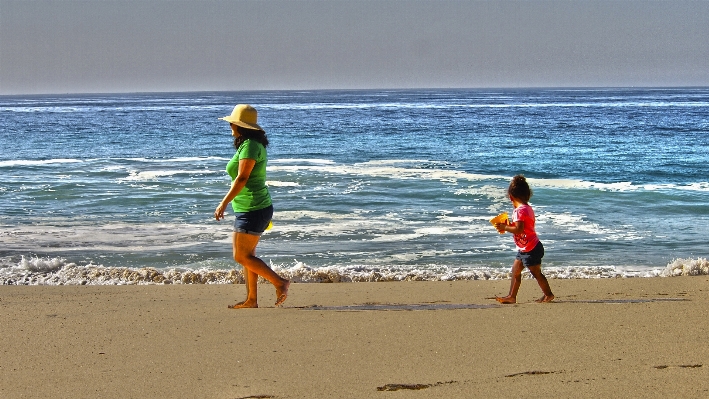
(642, 336)
(57, 271)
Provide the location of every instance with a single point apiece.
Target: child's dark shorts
(254, 222)
(533, 257)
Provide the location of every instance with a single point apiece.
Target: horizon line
(508, 88)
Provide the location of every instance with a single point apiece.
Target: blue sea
(368, 185)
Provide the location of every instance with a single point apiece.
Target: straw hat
(243, 115)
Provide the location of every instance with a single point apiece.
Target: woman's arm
(245, 168)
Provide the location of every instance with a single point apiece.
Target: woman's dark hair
(519, 189)
(252, 134)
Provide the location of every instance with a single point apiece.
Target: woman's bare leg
(245, 254)
(251, 282)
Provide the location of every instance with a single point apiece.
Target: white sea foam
(384, 169)
(570, 222)
(111, 237)
(37, 162)
(175, 160)
(385, 228)
(494, 194)
(301, 160)
(275, 183)
(393, 169)
(396, 237)
(687, 267)
(616, 187)
(404, 161)
(317, 215)
(699, 186)
(58, 271)
(148, 175)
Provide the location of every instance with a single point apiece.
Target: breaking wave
(57, 271)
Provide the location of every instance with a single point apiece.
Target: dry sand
(632, 338)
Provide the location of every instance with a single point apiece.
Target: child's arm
(515, 228)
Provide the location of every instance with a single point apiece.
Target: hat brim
(237, 122)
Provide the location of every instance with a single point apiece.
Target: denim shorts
(254, 222)
(533, 257)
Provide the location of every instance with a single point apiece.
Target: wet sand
(633, 338)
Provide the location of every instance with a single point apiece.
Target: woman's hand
(219, 212)
(246, 165)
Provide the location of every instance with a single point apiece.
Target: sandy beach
(635, 338)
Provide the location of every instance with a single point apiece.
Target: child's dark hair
(519, 189)
(252, 134)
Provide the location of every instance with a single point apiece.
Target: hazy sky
(67, 46)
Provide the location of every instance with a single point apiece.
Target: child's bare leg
(517, 268)
(543, 283)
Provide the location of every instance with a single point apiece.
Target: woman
(251, 203)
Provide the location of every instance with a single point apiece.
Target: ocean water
(374, 185)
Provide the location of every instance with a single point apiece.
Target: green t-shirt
(254, 195)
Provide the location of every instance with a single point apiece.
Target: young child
(530, 249)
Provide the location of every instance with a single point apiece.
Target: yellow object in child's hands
(270, 225)
(501, 218)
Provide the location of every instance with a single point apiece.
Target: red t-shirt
(526, 241)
